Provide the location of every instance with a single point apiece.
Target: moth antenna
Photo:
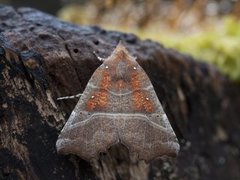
(69, 97)
(98, 57)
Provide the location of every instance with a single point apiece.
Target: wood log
(43, 58)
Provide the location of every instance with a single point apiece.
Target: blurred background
(209, 30)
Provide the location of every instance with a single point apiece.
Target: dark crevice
(70, 55)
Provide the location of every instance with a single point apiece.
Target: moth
(118, 105)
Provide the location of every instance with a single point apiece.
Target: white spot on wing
(165, 117)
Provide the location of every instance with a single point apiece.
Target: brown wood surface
(42, 58)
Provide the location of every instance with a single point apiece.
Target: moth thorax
(121, 68)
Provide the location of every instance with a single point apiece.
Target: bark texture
(42, 58)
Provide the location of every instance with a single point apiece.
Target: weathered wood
(43, 58)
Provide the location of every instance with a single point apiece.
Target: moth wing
(148, 139)
(86, 133)
(87, 142)
(149, 134)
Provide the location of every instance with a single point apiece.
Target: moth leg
(70, 97)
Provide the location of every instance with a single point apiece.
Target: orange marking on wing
(105, 82)
(134, 81)
(139, 98)
(148, 106)
(102, 99)
(91, 104)
(99, 99)
(137, 95)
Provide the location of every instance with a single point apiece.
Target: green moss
(220, 46)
